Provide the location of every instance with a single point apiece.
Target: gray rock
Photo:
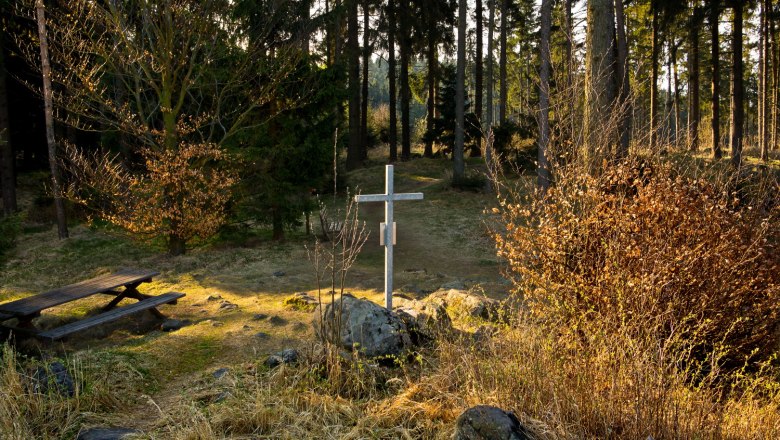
(286, 356)
(476, 306)
(279, 273)
(259, 316)
(53, 378)
(227, 305)
(365, 326)
(425, 320)
(489, 423)
(171, 325)
(213, 297)
(106, 433)
(220, 373)
(415, 271)
(277, 320)
(457, 284)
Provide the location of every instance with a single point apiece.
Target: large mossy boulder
(464, 302)
(424, 320)
(362, 325)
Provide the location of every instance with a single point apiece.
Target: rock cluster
(362, 325)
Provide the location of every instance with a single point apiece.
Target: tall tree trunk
(570, 128)
(406, 145)
(490, 61)
(502, 92)
(393, 134)
(460, 96)
(303, 33)
(364, 92)
(764, 125)
(624, 93)
(654, 80)
(675, 96)
(7, 163)
(694, 115)
(353, 66)
(62, 227)
(760, 102)
(715, 41)
(600, 85)
(775, 80)
(543, 168)
(488, 124)
(432, 62)
(737, 94)
(329, 34)
(478, 76)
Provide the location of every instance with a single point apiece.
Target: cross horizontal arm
(384, 197)
(371, 198)
(408, 196)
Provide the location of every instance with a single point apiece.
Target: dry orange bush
(181, 195)
(645, 248)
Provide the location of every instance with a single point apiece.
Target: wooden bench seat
(111, 315)
(103, 284)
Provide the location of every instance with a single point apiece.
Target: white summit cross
(387, 235)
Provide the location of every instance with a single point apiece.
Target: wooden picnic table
(128, 280)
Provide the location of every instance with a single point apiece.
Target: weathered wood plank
(36, 303)
(112, 315)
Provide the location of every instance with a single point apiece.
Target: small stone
(302, 302)
(227, 305)
(262, 335)
(171, 325)
(220, 373)
(277, 320)
(488, 422)
(415, 271)
(106, 433)
(214, 297)
(279, 273)
(246, 327)
(217, 323)
(286, 356)
(55, 378)
(259, 316)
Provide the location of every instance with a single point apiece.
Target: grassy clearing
(239, 270)
(600, 384)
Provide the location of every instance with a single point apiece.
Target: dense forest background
(257, 94)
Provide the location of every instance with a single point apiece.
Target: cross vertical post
(389, 227)
(389, 237)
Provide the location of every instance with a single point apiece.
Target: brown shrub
(649, 249)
